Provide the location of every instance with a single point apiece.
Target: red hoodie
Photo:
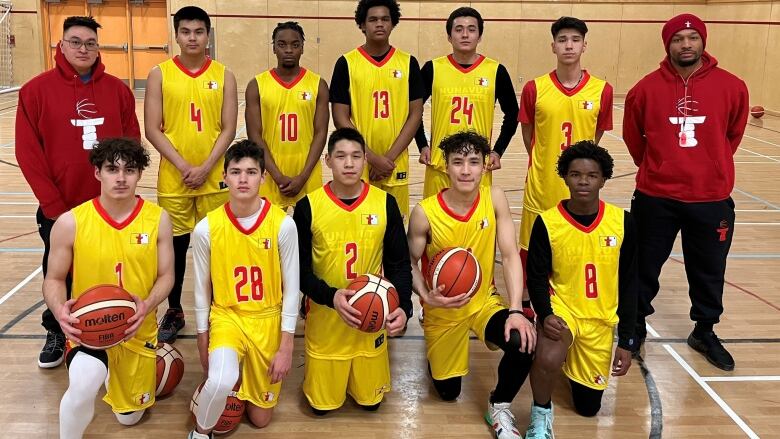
(683, 134)
(56, 121)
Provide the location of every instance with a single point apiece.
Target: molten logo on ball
(105, 319)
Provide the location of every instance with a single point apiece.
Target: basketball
(231, 416)
(375, 298)
(170, 369)
(757, 111)
(457, 269)
(103, 311)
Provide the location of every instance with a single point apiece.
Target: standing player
(684, 146)
(190, 114)
(61, 115)
(135, 252)
(464, 87)
(345, 229)
(582, 277)
(376, 89)
(287, 115)
(246, 294)
(557, 110)
(475, 217)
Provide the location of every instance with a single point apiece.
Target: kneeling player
(246, 294)
(345, 229)
(582, 280)
(476, 218)
(135, 251)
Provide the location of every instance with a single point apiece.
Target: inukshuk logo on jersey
(265, 243)
(483, 224)
(397, 74)
(686, 107)
(484, 82)
(586, 105)
(370, 219)
(608, 241)
(140, 238)
(211, 85)
(305, 95)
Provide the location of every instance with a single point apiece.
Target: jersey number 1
(252, 276)
(591, 286)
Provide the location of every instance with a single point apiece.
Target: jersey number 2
(591, 286)
(252, 276)
(351, 251)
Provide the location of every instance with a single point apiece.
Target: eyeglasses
(91, 45)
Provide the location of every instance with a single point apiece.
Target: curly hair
(111, 150)
(361, 13)
(243, 149)
(292, 25)
(464, 142)
(586, 149)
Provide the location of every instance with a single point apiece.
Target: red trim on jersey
(139, 203)
(527, 114)
(579, 226)
(341, 204)
(448, 211)
(575, 90)
(370, 59)
(291, 84)
(260, 218)
(468, 69)
(200, 71)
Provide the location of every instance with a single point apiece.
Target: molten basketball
(170, 369)
(103, 311)
(375, 298)
(457, 269)
(757, 111)
(231, 416)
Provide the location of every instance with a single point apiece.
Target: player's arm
(397, 266)
(413, 119)
(253, 116)
(739, 110)
(505, 94)
(512, 269)
(339, 95)
(321, 121)
(539, 267)
(153, 122)
(527, 115)
(201, 258)
(417, 237)
(628, 293)
(63, 234)
(227, 134)
(422, 141)
(289, 259)
(604, 120)
(162, 283)
(633, 124)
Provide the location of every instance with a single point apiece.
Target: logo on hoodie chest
(88, 122)
(687, 120)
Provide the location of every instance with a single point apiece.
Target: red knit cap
(682, 22)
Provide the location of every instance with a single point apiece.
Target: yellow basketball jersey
(379, 96)
(287, 111)
(124, 254)
(561, 119)
(347, 241)
(461, 99)
(475, 231)
(585, 262)
(192, 121)
(246, 273)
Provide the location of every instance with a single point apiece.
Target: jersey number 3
(251, 276)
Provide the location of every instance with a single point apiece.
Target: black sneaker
(710, 345)
(170, 325)
(53, 351)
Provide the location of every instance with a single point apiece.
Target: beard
(687, 62)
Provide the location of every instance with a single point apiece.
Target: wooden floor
(675, 393)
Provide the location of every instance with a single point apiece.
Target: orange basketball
(457, 269)
(231, 416)
(103, 311)
(757, 111)
(170, 369)
(375, 298)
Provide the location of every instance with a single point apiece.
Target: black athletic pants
(706, 230)
(44, 229)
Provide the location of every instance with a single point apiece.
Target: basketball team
(263, 227)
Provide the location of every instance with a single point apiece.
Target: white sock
(223, 375)
(85, 374)
(131, 418)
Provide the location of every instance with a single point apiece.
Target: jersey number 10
(289, 127)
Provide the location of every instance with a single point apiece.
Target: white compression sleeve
(291, 281)
(85, 376)
(223, 375)
(201, 257)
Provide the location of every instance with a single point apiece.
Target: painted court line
(741, 378)
(761, 140)
(21, 284)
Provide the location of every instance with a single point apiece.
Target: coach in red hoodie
(682, 125)
(62, 113)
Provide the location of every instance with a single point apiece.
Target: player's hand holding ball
(348, 314)
(66, 320)
(436, 299)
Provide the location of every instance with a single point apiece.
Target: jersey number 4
(196, 116)
(251, 277)
(461, 104)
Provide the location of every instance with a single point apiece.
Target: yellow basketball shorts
(447, 342)
(327, 382)
(527, 220)
(185, 212)
(401, 195)
(436, 180)
(589, 359)
(132, 374)
(256, 340)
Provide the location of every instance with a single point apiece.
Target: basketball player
(376, 89)
(61, 115)
(464, 87)
(582, 276)
(134, 251)
(557, 110)
(190, 114)
(475, 217)
(287, 115)
(348, 228)
(246, 294)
